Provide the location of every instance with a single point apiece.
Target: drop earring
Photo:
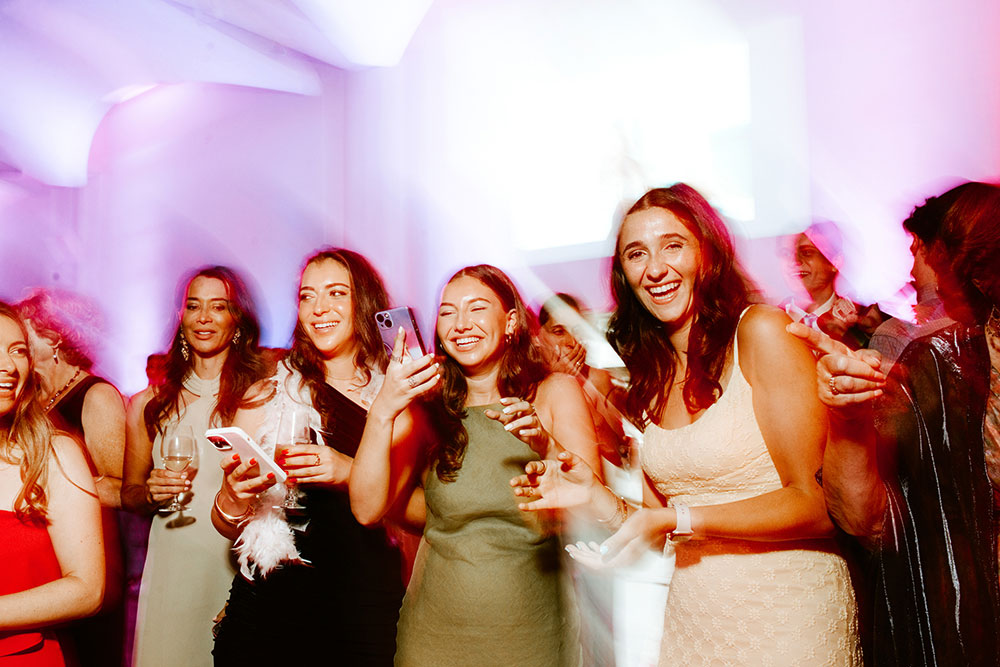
(55, 355)
(236, 337)
(184, 346)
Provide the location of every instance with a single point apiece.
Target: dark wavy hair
(243, 366)
(721, 291)
(368, 296)
(966, 253)
(521, 370)
(29, 431)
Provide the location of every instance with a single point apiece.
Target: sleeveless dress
(28, 561)
(188, 569)
(741, 602)
(99, 640)
(340, 605)
(486, 587)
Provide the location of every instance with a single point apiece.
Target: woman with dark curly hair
(213, 359)
(486, 587)
(313, 582)
(52, 552)
(733, 438)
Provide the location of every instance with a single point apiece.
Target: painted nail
(253, 462)
(508, 410)
(236, 457)
(270, 476)
(604, 549)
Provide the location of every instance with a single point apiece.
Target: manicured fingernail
(253, 462)
(270, 476)
(509, 427)
(236, 457)
(604, 549)
(508, 410)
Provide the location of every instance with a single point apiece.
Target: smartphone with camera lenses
(389, 322)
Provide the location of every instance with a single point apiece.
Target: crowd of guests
(827, 478)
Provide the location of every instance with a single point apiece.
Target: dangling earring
(184, 346)
(507, 338)
(236, 337)
(55, 355)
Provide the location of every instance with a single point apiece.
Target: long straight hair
(721, 291)
(26, 439)
(368, 296)
(244, 364)
(521, 370)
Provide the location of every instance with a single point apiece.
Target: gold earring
(184, 346)
(55, 355)
(236, 337)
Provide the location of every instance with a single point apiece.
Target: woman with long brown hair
(486, 587)
(313, 582)
(733, 438)
(52, 550)
(212, 360)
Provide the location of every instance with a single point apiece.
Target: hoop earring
(184, 346)
(236, 337)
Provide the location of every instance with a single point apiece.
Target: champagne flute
(293, 429)
(177, 452)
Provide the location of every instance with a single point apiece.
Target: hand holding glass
(293, 429)
(177, 452)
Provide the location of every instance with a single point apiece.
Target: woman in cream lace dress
(734, 435)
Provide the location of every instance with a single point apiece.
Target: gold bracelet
(229, 518)
(621, 511)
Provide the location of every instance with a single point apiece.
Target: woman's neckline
(725, 390)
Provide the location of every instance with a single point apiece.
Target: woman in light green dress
(487, 587)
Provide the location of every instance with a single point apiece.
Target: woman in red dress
(50, 527)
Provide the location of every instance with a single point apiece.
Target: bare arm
(241, 480)
(75, 531)
(104, 436)
(564, 412)
(145, 488)
(855, 491)
(385, 467)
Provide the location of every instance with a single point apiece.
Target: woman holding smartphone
(52, 551)
(486, 587)
(212, 360)
(313, 582)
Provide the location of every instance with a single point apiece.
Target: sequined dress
(741, 602)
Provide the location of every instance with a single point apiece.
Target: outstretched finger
(816, 340)
(399, 347)
(851, 366)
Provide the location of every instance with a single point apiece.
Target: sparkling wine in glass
(177, 452)
(293, 429)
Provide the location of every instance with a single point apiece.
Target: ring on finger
(833, 385)
(317, 459)
(398, 360)
(412, 382)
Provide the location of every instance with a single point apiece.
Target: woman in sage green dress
(486, 587)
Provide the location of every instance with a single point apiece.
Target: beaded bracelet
(621, 511)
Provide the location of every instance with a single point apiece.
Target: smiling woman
(486, 587)
(52, 550)
(212, 360)
(308, 569)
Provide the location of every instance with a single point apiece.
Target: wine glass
(177, 452)
(293, 429)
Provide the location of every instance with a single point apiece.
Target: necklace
(55, 396)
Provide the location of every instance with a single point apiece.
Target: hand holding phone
(235, 439)
(389, 323)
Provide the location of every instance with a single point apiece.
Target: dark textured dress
(342, 608)
(937, 590)
(486, 588)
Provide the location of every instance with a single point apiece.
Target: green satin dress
(487, 587)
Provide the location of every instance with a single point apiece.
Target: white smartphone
(235, 439)
(389, 321)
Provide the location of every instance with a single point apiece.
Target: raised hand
(405, 378)
(564, 483)
(519, 417)
(645, 530)
(846, 378)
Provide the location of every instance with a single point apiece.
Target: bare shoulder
(765, 343)
(104, 396)
(556, 386)
(762, 322)
(69, 458)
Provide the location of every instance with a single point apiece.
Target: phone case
(389, 321)
(233, 438)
